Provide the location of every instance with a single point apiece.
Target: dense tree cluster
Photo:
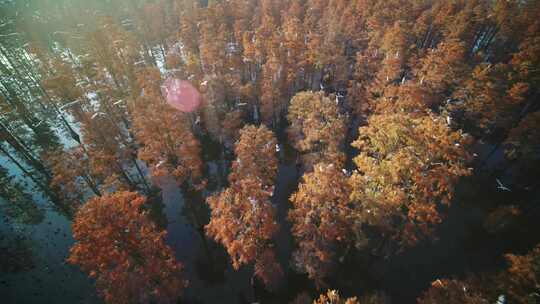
(322, 220)
(390, 108)
(408, 166)
(117, 244)
(243, 217)
(317, 129)
(168, 145)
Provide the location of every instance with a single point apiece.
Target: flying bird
(501, 186)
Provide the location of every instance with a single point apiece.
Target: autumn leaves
(322, 220)
(413, 74)
(407, 167)
(168, 146)
(119, 246)
(242, 216)
(317, 129)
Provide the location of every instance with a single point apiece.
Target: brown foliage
(255, 156)
(523, 276)
(110, 151)
(442, 68)
(221, 119)
(242, 216)
(72, 175)
(410, 97)
(118, 245)
(407, 169)
(168, 145)
(317, 129)
(321, 219)
(489, 99)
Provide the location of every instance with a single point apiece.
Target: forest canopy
(318, 144)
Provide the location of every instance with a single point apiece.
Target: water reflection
(212, 279)
(41, 274)
(15, 254)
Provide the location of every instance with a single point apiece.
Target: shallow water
(211, 276)
(463, 246)
(51, 280)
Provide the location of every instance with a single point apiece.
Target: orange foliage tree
(407, 169)
(408, 97)
(220, 118)
(321, 218)
(242, 216)
(119, 246)
(490, 101)
(442, 68)
(522, 279)
(317, 129)
(168, 145)
(255, 156)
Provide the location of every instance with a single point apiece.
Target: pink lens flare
(181, 95)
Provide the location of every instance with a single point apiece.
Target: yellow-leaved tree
(407, 169)
(317, 129)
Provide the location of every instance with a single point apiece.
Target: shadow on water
(35, 271)
(207, 264)
(464, 245)
(15, 254)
